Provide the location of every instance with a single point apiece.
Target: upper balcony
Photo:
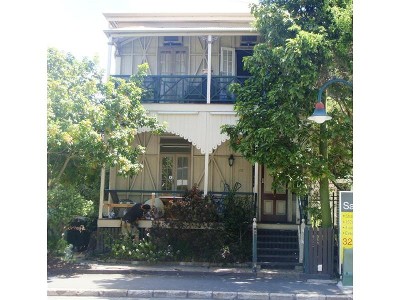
(188, 88)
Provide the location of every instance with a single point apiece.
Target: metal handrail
(187, 88)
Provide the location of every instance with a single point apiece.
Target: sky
(77, 25)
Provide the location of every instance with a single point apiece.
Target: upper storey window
(172, 41)
(248, 40)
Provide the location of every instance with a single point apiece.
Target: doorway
(274, 202)
(240, 54)
(173, 63)
(174, 172)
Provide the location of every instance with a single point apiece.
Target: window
(248, 40)
(173, 41)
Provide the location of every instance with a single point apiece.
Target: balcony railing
(187, 88)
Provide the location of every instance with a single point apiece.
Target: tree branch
(67, 160)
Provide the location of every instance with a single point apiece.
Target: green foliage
(56, 245)
(145, 250)
(91, 123)
(63, 204)
(190, 228)
(193, 208)
(314, 211)
(195, 231)
(238, 215)
(304, 44)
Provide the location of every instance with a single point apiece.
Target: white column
(110, 45)
(255, 188)
(103, 170)
(209, 41)
(206, 157)
(102, 184)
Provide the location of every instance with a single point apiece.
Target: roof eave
(179, 31)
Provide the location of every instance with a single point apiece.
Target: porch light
(231, 160)
(320, 116)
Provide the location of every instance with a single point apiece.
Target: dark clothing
(134, 213)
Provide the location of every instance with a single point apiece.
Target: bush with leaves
(63, 204)
(238, 214)
(190, 227)
(197, 232)
(145, 250)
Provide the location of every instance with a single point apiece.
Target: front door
(273, 202)
(174, 172)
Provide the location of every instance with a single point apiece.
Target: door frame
(175, 157)
(273, 196)
(232, 65)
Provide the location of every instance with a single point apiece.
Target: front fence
(310, 209)
(104, 238)
(319, 251)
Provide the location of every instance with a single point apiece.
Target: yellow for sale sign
(346, 223)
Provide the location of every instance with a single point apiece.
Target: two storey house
(192, 58)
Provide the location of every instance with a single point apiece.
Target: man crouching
(132, 216)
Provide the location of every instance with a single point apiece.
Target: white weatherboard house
(192, 59)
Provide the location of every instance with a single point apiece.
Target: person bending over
(135, 213)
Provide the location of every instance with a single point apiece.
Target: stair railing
(254, 245)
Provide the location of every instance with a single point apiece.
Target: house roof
(162, 31)
(139, 24)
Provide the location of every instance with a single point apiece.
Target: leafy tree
(90, 124)
(304, 44)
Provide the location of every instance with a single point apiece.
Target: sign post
(346, 237)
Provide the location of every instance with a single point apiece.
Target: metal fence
(309, 209)
(187, 88)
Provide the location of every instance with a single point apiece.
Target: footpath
(239, 282)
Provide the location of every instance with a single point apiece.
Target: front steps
(278, 248)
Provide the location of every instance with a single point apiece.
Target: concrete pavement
(193, 281)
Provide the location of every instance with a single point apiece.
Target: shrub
(78, 232)
(63, 204)
(144, 250)
(193, 231)
(197, 232)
